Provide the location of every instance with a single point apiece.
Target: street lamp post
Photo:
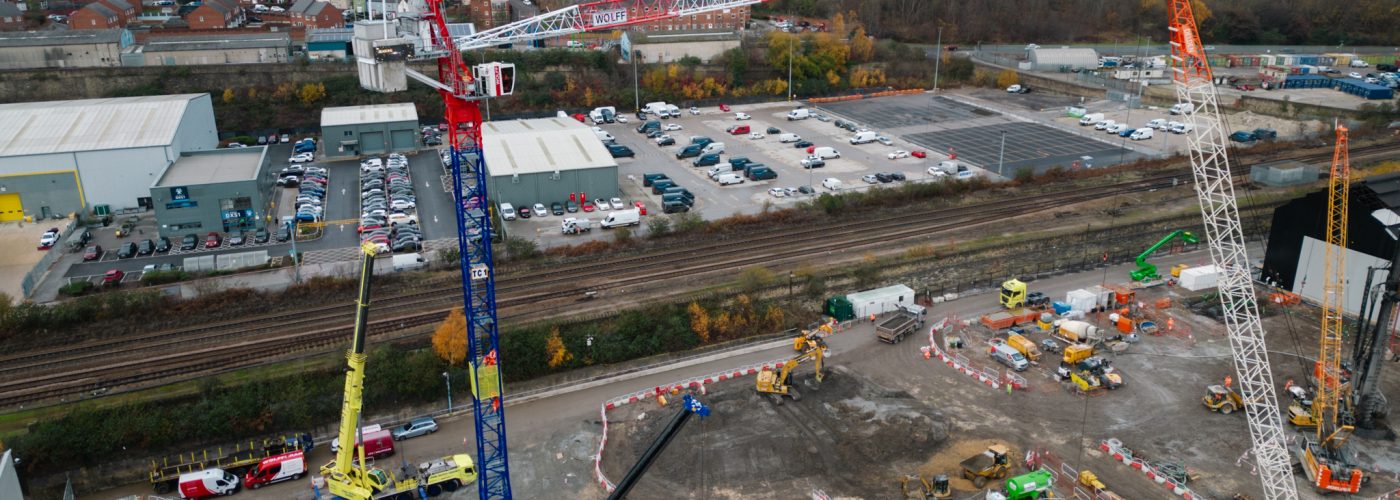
(937, 58)
(448, 378)
(1001, 155)
(790, 93)
(636, 90)
(296, 258)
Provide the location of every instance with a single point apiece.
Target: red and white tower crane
(1210, 164)
(418, 32)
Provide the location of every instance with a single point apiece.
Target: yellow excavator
(1221, 399)
(803, 341)
(776, 384)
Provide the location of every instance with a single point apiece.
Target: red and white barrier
(961, 364)
(695, 383)
(1112, 447)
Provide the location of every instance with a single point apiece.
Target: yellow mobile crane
(779, 384)
(345, 477)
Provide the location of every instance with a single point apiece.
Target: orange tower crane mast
(1224, 234)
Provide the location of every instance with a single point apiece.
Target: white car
(934, 171)
(671, 126)
(870, 179)
(276, 9)
(694, 110)
(1104, 125)
(621, 119)
(742, 116)
(236, 145)
(756, 135)
(540, 211)
(899, 153)
(831, 183)
(1013, 89)
(662, 137)
(302, 158)
(49, 238)
(402, 204)
(884, 140)
(778, 192)
(1354, 75)
(616, 203)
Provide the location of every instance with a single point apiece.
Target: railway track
(98, 366)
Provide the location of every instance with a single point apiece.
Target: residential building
(726, 19)
(11, 18)
(63, 48)
(242, 48)
(127, 10)
(315, 14)
(95, 16)
(216, 14)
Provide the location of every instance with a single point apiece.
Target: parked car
(213, 240)
(831, 183)
(813, 162)
(802, 144)
(737, 129)
(870, 179)
(237, 239)
(884, 140)
(918, 154)
(49, 239)
(189, 242)
(145, 247)
(261, 235)
(113, 277)
(742, 116)
(897, 154)
(556, 208)
(1243, 136)
(302, 158)
(93, 252)
(778, 192)
(540, 210)
(162, 244)
(756, 135)
(414, 428)
(642, 207)
(127, 250)
(669, 127)
(823, 117)
(587, 206)
(724, 107)
(1014, 89)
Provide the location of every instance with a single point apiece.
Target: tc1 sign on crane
(418, 32)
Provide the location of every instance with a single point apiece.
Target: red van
(275, 469)
(738, 130)
(378, 442)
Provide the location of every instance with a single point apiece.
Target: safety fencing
(856, 97)
(992, 378)
(31, 279)
(1115, 448)
(693, 383)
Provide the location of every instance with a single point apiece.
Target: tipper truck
(903, 322)
(992, 463)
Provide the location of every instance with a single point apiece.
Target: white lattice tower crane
(1210, 164)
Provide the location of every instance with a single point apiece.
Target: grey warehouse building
(62, 157)
(351, 131)
(220, 190)
(1063, 59)
(63, 49)
(545, 160)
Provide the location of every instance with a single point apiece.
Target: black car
(162, 244)
(556, 208)
(127, 251)
(284, 233)
(146, 247)
(189, 242)
(806, 190)
(642, 115)
(621, 151)
(653, 134)
(802, 144)
(669, 141)
(288, 181)
(571, 207)
(883, 177)
(524, 213)
(261, 235)
(774, 131)
(899, 176)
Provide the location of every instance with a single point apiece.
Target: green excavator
(1147, 271)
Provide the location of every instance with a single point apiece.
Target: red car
(724, 108)
(588, 206)
(918, 153)
(113, 277)
(580, 117)
(442, 126)
(811, 149)
(738, 130)
(641, 208)
(92, 253)
(213, 240)
(1245, 87)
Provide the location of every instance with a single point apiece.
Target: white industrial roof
(214, 166)
(1065, 56)
(375, 113)
(541, 145)
(31, 128)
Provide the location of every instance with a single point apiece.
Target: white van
(1156, 123)
(655, 107)
(799, 114)
(674, 110)
(1009, 356)
(1141, 134)
(1359, 63)
(621, 218)
(409, 262)
(207, 483)
(1091, 119)
(789, 137)
(1168, 126)
(863, 137)
(603, 135)
(1181, 128)
(723, 168)
(826, 153)
(597, 116)
(729, 178)
(832, 183)
(949, 167)
(1180, 109)
(713, 148)
(507, 211)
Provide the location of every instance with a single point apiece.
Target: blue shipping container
(1362, 89)
(1307, 82)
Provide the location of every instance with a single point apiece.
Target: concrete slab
(19, 244)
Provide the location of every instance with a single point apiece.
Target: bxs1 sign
(609, 17)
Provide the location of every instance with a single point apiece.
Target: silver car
(416, 427)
